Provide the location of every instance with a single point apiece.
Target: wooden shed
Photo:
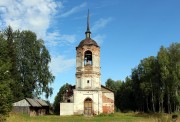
(33, 107)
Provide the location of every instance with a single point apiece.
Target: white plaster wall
(78, 82)
(80, 96)
(66, 109)
(85, 84)
(96, 82)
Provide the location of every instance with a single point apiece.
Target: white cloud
(37, 16)
(101, 23)
(60, 64)
(99, 38)
(55, 38)
(73, 10)
(34, 15)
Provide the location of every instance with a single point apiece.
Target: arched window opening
(88, 58)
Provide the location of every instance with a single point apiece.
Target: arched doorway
(87, 106)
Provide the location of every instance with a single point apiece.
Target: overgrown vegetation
(154, 85)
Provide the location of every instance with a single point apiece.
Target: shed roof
(33, 102)
(42, 102)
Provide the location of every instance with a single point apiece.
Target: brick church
(88, 96)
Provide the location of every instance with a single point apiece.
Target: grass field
(117, 117)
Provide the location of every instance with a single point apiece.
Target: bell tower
(88, 63)
(89, 96)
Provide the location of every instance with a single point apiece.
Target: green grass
(117, 117)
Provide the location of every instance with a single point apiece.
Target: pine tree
(5, 79)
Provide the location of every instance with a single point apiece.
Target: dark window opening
(68, 101)
(88, 58)
(87, 81)
(88, 99)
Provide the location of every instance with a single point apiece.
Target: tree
(163, 61)
(114, 86)
(169, 66)
(124, 96)
(137, 93)
(59, 98)
(149, 78)
(174, 77)
(5, 79)
(12, 47)
(24, 70)
(154, 84)
(33, 59)
(29, 59)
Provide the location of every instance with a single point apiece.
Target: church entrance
(87, 106)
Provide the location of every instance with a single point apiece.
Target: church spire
(88, 32)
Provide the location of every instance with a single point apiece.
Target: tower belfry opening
(88, 58)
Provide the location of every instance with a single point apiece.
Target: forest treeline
(153, 86)
(24, 70)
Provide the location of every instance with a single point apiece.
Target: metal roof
(87, 41)
(33, 102)
(42, 102)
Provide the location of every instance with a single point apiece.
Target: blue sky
(126, 30)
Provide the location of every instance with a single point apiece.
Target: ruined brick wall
(108, 102)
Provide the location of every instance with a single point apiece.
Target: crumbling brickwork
(108, 103)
